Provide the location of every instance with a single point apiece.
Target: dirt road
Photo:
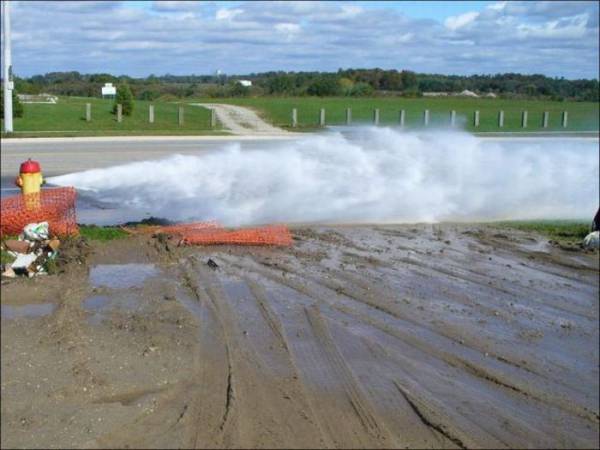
(423, 336)
(242, 121)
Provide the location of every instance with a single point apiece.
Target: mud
(412, 336)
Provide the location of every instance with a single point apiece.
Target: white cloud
(227, 14)
(290, 28)
(456, 22)
(555, 38)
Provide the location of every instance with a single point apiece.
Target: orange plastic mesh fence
(55, 206)
(184, 228)
(268, 235)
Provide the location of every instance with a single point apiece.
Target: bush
(17, 105)
(125, 98)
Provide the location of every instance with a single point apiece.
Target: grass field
(67, 117)
(563, 231)
(582, 116)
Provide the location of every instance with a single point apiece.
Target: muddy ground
(422, 336)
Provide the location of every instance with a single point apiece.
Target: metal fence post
(119, 112)
(151, 114)
(524, 119)
(501, 119)
(565, 118)
(213, 118)
(88, 112)
(545, 119)
(402, 117)
(180, 116)
(322, 117)
(426, 117)
(348, 116)
(476, 119)
(452, 118)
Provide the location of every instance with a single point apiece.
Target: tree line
(344, 82)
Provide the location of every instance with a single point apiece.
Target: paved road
(59, 156)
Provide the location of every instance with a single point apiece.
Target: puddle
(99, 305)
(33, 310)
(120, 276)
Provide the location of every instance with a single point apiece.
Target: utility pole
(7, 69)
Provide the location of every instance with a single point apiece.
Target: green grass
(583, 116)
(96, 233)
(67, 118)
(563, 231)
(5, 257)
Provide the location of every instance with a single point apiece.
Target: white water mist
(378, 175)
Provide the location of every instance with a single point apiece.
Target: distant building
(435, 94)
(491, 95)
(108, 90)
(245, 83)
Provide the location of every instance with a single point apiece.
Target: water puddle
(120, 276)
(100, 305)
(32, 310)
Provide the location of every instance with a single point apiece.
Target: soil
(399, 336)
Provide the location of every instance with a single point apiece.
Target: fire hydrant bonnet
(30, 166)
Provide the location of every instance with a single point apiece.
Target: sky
(139, 38)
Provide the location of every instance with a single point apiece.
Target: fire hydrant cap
(30, 166)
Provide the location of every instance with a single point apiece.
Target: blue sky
(139, 38)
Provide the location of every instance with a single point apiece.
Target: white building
(245, 83)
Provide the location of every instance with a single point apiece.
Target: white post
(294, 117)
(151, 113)
(452, 118)
(476, 119)
(545, 120)
(213, 118)
(501, 119)
(426, 117)
(180, 116)
(402, 116)
(565, 118)
(119, 112)
(524, 119)
(88, 112)
(376, 116)
(7, 72)
(348, 116)
(322, 117)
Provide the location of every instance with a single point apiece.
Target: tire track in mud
(493, 372)
(343, 374)
(260, 410)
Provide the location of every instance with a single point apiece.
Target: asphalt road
(59, 156)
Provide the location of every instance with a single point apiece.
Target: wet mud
(399, 336)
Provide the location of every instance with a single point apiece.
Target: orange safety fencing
(211, 233)
(268, 235)
(55, 206)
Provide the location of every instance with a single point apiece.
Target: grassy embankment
(582, 116)
(67, 118)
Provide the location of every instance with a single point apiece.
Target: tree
(125, 98)
(324, 86)
(17, 105)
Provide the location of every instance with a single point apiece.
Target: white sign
(109, 89)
